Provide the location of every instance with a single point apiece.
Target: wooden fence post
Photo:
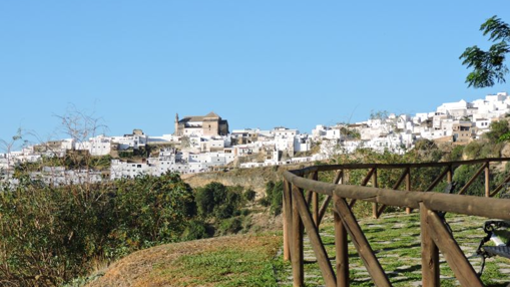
(297, 243)
(408, 187)
(315, 239)
(359, 240)
(375, 206)
(429, 253)
(454, 256)
(287, 220)
(341, 250)
(487, 180)
(315, 201)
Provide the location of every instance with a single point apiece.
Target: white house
(100, 145)
(455, 109)
(120, 169)
(135, 140)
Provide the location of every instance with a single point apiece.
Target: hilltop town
(205, 143)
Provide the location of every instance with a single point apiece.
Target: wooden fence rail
(299, 216)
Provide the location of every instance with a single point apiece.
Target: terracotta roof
(212, 115)
(199, 118)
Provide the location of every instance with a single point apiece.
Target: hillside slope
(254, 178)
(241, 260)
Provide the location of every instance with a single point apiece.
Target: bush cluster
(273, 197)
(50, 234)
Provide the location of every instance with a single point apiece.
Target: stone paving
(395, 239)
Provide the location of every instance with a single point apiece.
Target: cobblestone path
(395, 238)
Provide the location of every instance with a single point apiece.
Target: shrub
(456, 153)
(50, 235)
(217, 200)
(497, 131)
(273, 197)
(231, 225)
(196, 229)
(249, 195)
(473, 149)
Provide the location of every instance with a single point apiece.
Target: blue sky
(256, 63)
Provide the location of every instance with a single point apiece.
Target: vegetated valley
(58, 235)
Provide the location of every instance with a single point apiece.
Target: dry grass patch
(226, 261)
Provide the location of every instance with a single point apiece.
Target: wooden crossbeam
(454, 256)
(500, 186)
(397, 165)
(364, 183)
(325, 203)
(323, 209)
(315, 239)
(438, 179)
(339, 175)
(395, 187)
(309, 193)
(446, 171)
(472, 179)
(369, 175)
(361, 243)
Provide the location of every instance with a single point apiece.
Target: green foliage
(196, 229)
(72, 160)
(143, 152)
(504, 137)
(425, 151)
(249, 195)
(230, 225)
(473, 149)
(350, 133)
(491, 144)
(209, 197)
(274, 196)
(497, 130)
(50, 235)
(217, 200)
(456, 153)
(488, 66)
(128, 153)
(379, 115)
(463, 174)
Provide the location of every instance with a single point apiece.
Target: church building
(208, 125)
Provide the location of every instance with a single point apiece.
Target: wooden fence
(302, 189)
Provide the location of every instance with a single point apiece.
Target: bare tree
(7, 147)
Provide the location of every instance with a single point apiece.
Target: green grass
(251, 260)
(228, 268)
(395, 238)
(250, 263)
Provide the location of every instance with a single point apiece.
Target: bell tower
(176, 128)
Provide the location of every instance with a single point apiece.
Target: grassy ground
(225, 261)
(256, 260)
(396, 240)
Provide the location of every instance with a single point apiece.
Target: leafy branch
(488, 66)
